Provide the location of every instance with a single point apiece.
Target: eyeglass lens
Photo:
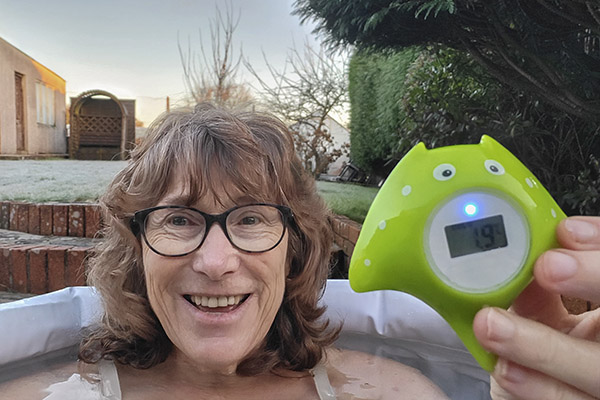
(177, 231)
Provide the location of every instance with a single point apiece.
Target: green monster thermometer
(459, 227)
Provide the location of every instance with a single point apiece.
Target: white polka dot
(553, 212)
(382, 225)
(367, 262)
(529, 182)
(406, 190)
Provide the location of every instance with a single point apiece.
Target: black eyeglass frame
(137, 224)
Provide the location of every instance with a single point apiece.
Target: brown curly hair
(212, 149)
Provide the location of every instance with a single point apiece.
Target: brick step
(58, 219)
(39, 264)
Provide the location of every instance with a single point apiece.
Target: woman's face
(215, 338)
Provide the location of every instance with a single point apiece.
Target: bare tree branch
(555, 84)
(507, 77)
(594, 13)
(556, 11)
(310, 87)
(212, 76)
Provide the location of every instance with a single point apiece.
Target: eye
(443, 172)
(182, 219)
(249, 220)
(178, 220)
(494, 167)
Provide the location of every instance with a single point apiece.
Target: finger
(524, 384)
(587, 326)
(571, 360)
(569, 272)
(497, 392)
(542, 305)
(579, 233)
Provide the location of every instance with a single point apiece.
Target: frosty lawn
(84, 181)
(56, 180)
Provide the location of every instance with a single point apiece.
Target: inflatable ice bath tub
(38, 330)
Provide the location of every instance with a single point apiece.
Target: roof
(31, 58)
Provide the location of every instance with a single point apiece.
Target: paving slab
(6, 297)
(8, 237)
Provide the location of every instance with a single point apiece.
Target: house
(32, 106)
(340, 142)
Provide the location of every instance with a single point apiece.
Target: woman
(215, 255)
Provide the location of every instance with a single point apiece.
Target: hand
(544, 352)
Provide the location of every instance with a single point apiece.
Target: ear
(490, 143)
(419, 148)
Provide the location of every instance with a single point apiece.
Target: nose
(216, 257)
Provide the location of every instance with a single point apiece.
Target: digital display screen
(476, 236)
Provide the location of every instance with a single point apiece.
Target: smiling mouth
(216, 303)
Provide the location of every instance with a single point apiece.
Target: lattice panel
(98, 130)
(99, 124)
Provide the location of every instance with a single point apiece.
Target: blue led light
(471, 209)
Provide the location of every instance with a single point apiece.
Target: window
(45, 104)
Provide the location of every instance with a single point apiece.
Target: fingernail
(509, 371)
(499, 326)
(582, 231)
(559, 266)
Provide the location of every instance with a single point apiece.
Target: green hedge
(441, 97)
(376, 88)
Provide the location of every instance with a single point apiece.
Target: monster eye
(494, 167)
(443, 172)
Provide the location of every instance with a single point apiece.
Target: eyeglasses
(175, 231)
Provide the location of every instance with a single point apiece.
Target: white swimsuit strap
(109, 384)
(322, 383)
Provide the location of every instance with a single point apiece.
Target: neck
(180, 367)
(181, 378)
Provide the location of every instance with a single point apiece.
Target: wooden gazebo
(102, 126)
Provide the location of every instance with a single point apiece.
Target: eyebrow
(182, 199)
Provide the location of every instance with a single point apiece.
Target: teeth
(214, 302)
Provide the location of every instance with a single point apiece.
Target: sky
(129, 47)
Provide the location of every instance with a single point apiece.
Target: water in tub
(58, 376)
(39, 339)
(28, 379)
(36, 364)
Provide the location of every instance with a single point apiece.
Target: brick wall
(57, 219)
(41, 269)
(345, 233)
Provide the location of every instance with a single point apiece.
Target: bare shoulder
(355, 374)
(33, 386)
